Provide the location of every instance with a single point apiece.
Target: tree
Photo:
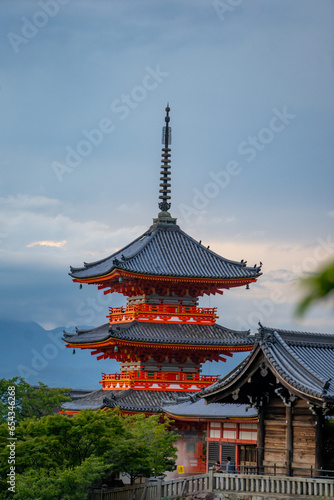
(67, 484)
(318, 287)
(59, 441)
(56, 449)
(30, 401)
(148, 449)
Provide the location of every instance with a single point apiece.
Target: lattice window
(248, 432)
(230, 430)
(215, 429)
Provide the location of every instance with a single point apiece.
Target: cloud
(216, 220)
(34, 223)
(57, 244)
(274, 211)
(133, 209)
(28, 203)
(281, 276)
(38, 222)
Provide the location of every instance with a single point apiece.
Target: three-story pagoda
(161, 336)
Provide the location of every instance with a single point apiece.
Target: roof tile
(158, 333)
(165, 250)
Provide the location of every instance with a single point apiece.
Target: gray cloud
(225, 78)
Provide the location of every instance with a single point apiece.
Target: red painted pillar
(207, 445)
(199, 455)
(237, 456)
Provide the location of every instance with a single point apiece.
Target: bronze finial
(165, 178)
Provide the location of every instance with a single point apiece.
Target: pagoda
(161, 336)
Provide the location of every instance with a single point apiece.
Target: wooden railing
(163, 313)
(141, 379)
(228, 483)
(137, 492)
(274, 485)
(169, 376)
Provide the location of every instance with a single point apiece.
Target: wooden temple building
(161, 336)
(289, 379)
(229, 429)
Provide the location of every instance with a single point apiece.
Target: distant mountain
(37, 355)
(40, 355)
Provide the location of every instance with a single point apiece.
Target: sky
(83, 90)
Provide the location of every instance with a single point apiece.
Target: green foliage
(318, 287)
(148, 449)
(67, 484)
(58, 441)
(60, 457)
(30, 401)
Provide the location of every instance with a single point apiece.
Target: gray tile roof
(165, 250)
(129, 400)
(304, 360)
(158, 333)
(93, 400)
(192, 406)
(98, 334)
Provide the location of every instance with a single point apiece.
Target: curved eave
(116, 273)
(88, 345)
(181, 345)
(252, 365)
(158, 345)
(147, 413)
(203, 418)
(127, 412)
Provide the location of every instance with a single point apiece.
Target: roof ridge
(295, 332)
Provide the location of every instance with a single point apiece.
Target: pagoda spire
(165, 179)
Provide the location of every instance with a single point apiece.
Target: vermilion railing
(163, 313)
(143, 379)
